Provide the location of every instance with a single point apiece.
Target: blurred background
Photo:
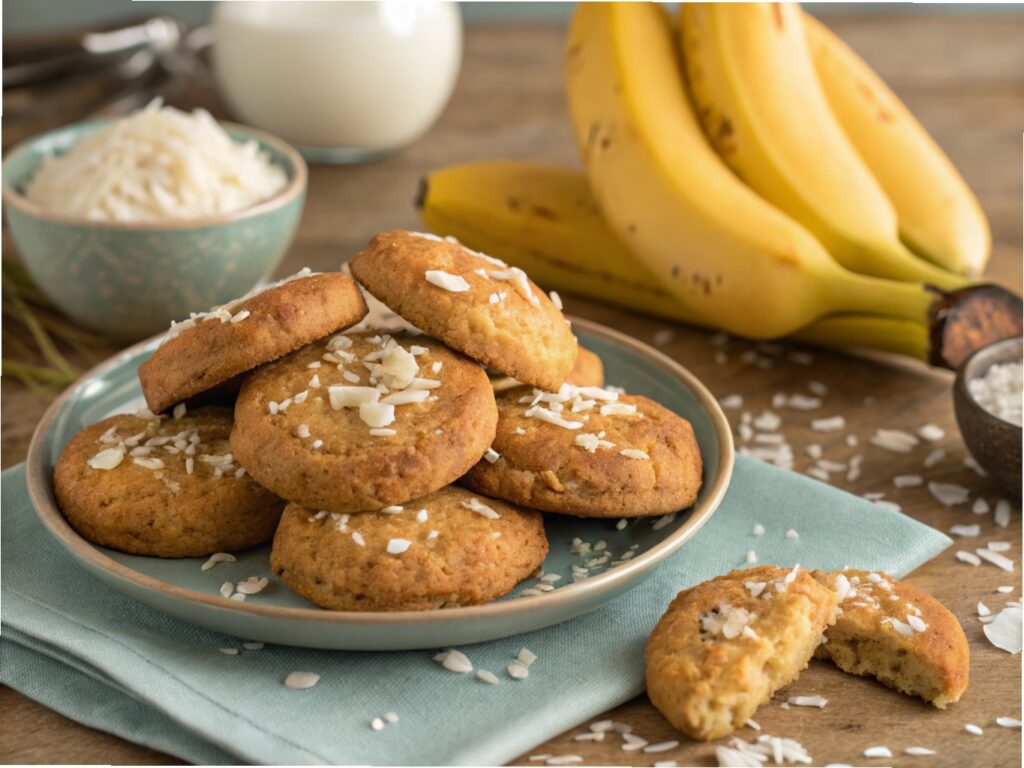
(30, 16)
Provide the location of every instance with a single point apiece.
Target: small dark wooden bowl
(994, 443)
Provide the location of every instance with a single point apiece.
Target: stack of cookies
(391, 471)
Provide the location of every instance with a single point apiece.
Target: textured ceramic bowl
(278, 615)
(994, 443)
(130, 280)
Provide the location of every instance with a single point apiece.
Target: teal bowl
(130, 280)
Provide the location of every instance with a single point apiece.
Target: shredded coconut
(156, 164)
(447, 281)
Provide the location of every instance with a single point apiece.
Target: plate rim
(569, 594)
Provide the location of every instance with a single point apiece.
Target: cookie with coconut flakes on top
(207, 353)
(166, 487)
(446, 549)
(474, 303)
(894, 632)
(587, 372)
(589, 452)
(725, 646)
(362, 421)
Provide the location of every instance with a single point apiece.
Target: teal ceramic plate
(277, 615)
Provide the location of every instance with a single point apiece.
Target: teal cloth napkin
(95, 656)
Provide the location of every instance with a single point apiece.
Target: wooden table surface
(963, 75)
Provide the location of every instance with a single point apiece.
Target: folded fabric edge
(109, 709)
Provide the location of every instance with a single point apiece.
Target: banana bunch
(762, 184)
(545, 220)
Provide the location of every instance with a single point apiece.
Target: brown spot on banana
(780, 22)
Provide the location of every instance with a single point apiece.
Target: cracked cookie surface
(446, 549)
(163, 487)
(589, 452)
(208, 353)
(474, 303)
(363, 421)
(725, 646)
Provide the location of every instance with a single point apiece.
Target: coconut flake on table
(877, 752)
(731, 401)
(949, 494)
(829, 424)
(973, 729)
(894, 440)
(808, 701)
(781, 751)
(998, 391)
(995, 558)
(968, 531)
(802, 403)
(919, 751)
(931, 432)
(156, 164)
(968, 557)
(1002, 516)
(1004, 631)
(1008, 722)
(980, 507)
(934, 457)
(907, 481)
(974, 466)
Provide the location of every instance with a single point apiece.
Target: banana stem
(886, 334)
(860, 294)
(907, 266)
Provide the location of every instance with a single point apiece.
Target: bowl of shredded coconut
(987, 398)
(130, 223)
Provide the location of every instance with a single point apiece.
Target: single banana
(756, 90)
(939, 217)
(732, 260)
(544, 220)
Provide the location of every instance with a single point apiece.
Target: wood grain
(964, 77)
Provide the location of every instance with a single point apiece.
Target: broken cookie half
(896, 633)
(725, 646)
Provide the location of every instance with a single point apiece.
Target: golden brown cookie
(447, 549)
(163, 487)
(725, 646)
(587, 372)
(362, 421)
(209, 350)
(589, 452)
(474, 303)
(896, 633)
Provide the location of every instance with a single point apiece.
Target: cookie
(589, 452)
(896, 633)
(587, 372)
(359, 422)
(474, 303)
(163, 487)
(447, 549)
(211, 349)
(725, 646)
